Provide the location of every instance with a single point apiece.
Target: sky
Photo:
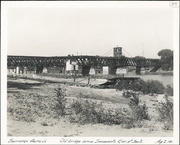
(95, 30)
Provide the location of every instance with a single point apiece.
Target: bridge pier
(63, 70)
(11, 70)
(98, 69)
(34, 70)
(92, 71)
(105, 70)
(28, 71)
(138, 70)
(112, 70)
(85, 70)
(14, 71)
(25, 70)
(45, 70)
(17, 70)
(39, 69)
(20, 70)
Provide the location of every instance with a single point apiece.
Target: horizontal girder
(33, 61)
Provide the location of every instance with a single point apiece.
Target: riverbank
(38, 97)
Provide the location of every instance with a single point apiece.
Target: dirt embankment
(30, 111)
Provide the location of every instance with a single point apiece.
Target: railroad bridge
(37, 63)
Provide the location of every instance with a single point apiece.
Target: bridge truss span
(83, 61)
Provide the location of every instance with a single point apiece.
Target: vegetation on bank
(166, 59)
(146, 87)
(86, 110)
(60, 105)
(165, 113)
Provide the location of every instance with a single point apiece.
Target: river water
(165, 79)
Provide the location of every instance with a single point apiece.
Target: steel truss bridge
(85, 61)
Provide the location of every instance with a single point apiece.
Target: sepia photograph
(90, 69)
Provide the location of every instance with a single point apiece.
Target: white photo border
(64, 140)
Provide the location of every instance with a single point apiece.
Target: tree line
(166, 59)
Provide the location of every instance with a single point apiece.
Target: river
(165, 79)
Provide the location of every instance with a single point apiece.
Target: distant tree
(166, 59)
(139, 58)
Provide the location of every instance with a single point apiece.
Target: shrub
(60, 100)
(128, 94)
(165, 111)
(123, 85)
(139, 85)
(85, 111)
(169, 90)
(27, 107)
(32, 107)
(23, 114)
(134, 101)
(77, 106)
(139, 112)
(151, 86)
(155, 87)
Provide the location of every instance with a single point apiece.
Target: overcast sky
(59, 31)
